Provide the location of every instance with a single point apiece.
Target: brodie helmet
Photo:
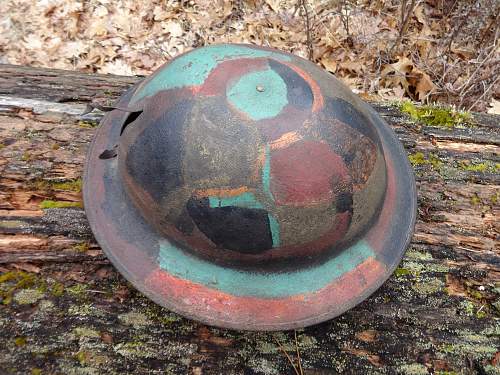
(247, 188)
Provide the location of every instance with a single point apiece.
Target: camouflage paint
(256, 284)
(246, 199)
(191, 69)
(116, 201)
(260, 95)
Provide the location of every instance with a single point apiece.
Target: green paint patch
(192, 68)
(266, 173)
(260, 95)
(248, 283)
(438, 116)
(275, 230)
(46, 204)
(246, 200)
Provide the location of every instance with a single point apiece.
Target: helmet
(247, 188)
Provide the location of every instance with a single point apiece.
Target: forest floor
(444, 51)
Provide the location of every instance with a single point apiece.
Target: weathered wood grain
(67, 311)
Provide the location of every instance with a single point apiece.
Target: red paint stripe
(196, 299)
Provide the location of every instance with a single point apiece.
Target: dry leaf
(274, 4)
(173, 28)
(330, 64)
(494, 107)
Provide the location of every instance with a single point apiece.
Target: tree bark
(66, 310)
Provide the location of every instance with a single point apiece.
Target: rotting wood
(439, 313)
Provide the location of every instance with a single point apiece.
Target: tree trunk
(66, 310)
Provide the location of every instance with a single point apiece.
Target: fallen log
(66, 310)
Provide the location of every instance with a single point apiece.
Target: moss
(418, 158)
(435, 161)
(36, 371)
(134, 319)
(57, 289)
(433, 115)
(134, 350)
(70, 185)
(12, 281)
(413, 369)
(65, 185)
(415, 254)
(86, 332)
(401, 272)
(11, 224)
(28, 296)
(20, 341)
(81, 357)
(81, 247)
(77, 290)
(430, 286)
(59, 204)
(475, 200)
(87, 124)
(482, 167)
(494, 198)
(26, 156)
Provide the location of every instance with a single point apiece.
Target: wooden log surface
(65, 310)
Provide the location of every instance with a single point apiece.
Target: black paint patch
(345, 112)
(343, 202)
(245, 230)
(299, 93)
(154, 160)
(184, 223)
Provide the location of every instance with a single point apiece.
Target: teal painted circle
(192, 68)
(259, 94)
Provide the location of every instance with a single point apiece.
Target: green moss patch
(433, 115)
(418, 158)
(59, 204)
(66, 185)
(483, 167)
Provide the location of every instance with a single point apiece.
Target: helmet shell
(251, 189)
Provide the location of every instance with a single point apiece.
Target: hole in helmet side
(133, 116)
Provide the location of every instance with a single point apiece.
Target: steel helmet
(247, 188)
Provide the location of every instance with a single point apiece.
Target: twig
(298, 353)
(287, 356)
(303, 3)
(484, 93)
(406, 13)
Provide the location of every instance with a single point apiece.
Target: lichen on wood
(65, 310)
